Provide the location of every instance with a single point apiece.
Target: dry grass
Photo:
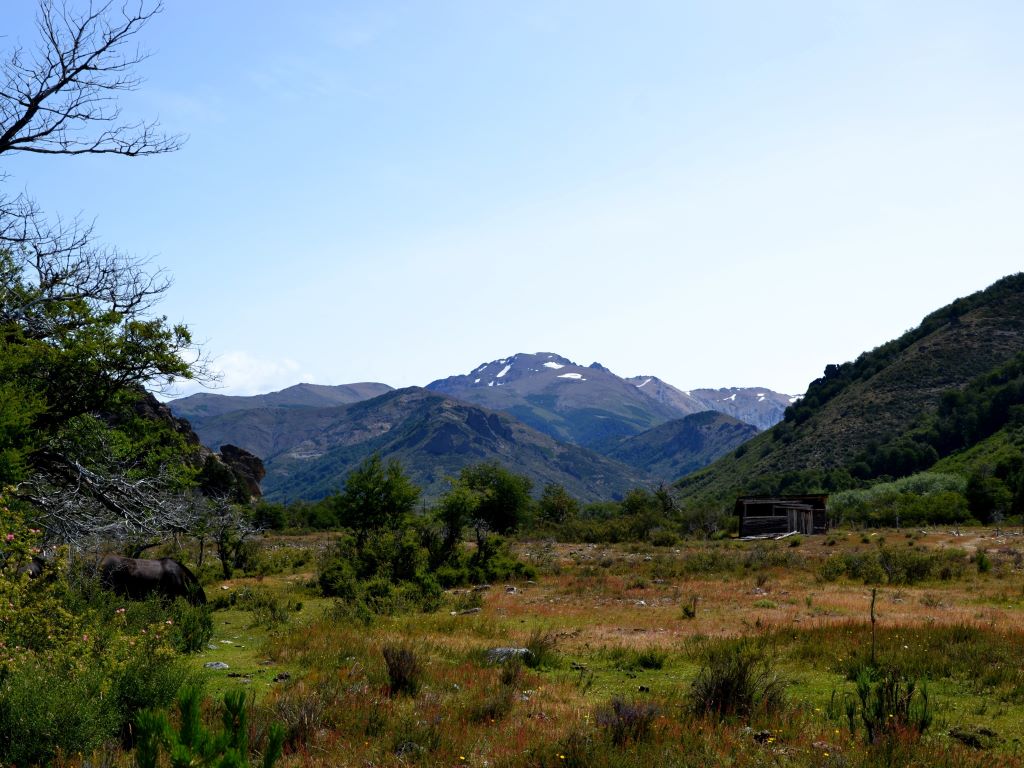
(603, 606)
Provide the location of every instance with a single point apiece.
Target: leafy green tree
(644, 512)
(79, 344)
(457, 509)
(556, 505)
(376, 497)
(988, 497)
(505, 501)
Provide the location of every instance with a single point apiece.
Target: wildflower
(168, 622)
(10, 537)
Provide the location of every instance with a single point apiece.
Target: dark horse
(139, 579)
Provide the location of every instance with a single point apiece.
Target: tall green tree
(376, 497)
(505, 501)
(556, 505)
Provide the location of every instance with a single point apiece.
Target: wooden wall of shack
(776, 515)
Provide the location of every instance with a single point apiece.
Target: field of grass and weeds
(700, 654)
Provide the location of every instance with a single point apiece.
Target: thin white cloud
(242, 373)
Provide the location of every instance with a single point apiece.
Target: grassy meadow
(624, 641)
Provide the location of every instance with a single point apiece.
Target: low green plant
(982, 562)
(690, 608)
(888, 702)
(403, 669)
(192, 627)
(737, 679)
(541, 646)
(626, 722)
(191, 744)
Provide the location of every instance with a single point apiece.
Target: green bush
(541, 646)
(191, 744)
(888, 703)
(192, 628)
(46, 708)
(895, 566)
(268, 609)
(337, 578)
(73, 704)
(626, 722)
(737, 679)
(403, 669)
(927, 497)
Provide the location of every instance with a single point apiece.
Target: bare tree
(80, 504)
(60, 98)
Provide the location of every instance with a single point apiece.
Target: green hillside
(940, 388)
(308, 452)
(683, 445)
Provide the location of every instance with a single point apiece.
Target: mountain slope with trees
(308, 452)
(875, 417)
(679, 447)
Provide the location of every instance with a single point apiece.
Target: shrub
(151, 677)
(337, 578)
(626, 722)
(193, 626)
(542, 650)
(737, 679)
(45, 709)
(833, 567)
(690, 608)
(982, 562)
(651, 658)
(889, 703)
(403, 669)
(191, 744)
(630, 659)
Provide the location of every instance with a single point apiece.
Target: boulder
(503, 654)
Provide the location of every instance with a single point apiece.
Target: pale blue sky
(719, 193)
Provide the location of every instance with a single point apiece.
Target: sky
(718, 193)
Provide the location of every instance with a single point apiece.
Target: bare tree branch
(80, 504)
(61, 98)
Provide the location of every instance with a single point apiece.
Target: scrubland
(701, 654)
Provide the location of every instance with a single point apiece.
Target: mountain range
(947, 395)
(541, 415)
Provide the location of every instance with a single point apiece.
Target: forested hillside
(940, 388)
(309, 451)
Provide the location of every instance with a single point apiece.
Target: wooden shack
(776, 515)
